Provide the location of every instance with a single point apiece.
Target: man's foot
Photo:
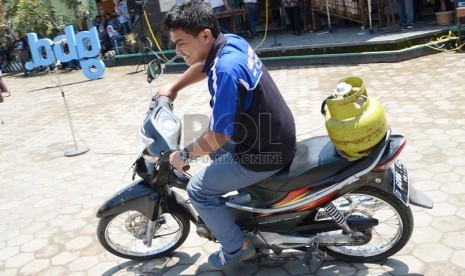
(5, 94)
(222, 260)
(407, 26)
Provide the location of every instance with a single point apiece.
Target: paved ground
(48, 202)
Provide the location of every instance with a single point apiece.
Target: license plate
(401, 182)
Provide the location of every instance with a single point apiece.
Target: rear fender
(420, 199)
(416, 197)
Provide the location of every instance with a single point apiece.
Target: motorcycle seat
(317, 165)
(316, 159)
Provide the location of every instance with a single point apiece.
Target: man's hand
(168, 91)
(192, 75)
(177, 162)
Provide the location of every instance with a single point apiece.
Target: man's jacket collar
(214, 52)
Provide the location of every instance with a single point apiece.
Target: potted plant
(445, 14)
(131, 40)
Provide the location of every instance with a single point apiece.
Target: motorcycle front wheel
(395, 225)
(122, 234)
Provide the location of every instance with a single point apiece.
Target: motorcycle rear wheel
(390, 235)
(121, 234)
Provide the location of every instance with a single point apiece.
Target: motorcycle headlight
(167, 125)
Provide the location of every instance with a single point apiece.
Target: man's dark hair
(192, 17)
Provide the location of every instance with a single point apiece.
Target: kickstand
(307, 259)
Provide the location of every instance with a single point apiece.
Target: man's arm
(207, 143)
(192, 75)
(226, 4)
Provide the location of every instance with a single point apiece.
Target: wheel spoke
(383, 236)
(123, 234)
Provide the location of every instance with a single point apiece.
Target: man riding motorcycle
(249, 115)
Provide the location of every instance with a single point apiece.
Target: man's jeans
(405, 11)
(252, 17)
(205, 191)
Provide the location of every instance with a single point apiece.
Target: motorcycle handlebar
(161, 100)
(164, 99)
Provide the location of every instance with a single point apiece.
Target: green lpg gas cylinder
(354, 121)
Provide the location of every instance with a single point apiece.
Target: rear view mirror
(155, 69)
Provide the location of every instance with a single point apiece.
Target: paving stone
(426, 234)
(10, 272)
(34, 245)
(48, 251)
(193, 241)
(447, 177)
(336, 268)
(407, 249)
(19, 260)
(34, 267)
(55, 271)
(454, 188)
(442, 209)
(432, 252)
(443, 268)
(83, 263)
(78, 243)
(449, 224)
(104, 268)
(7, 252)
(404, 265)
(455, 240)
(458, 257)
(65, 258)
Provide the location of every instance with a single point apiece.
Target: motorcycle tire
(383, 205)
(172, 232)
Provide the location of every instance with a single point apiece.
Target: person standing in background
(3, 62)
(293, 11)
(121, 8)
(252, 16)
(219, 6)
(21, 48)
(406, 14)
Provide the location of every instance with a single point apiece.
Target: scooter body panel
(140, 197)
(137, 197)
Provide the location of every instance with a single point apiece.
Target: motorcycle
(354, 210)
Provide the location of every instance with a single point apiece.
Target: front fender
(137, 197)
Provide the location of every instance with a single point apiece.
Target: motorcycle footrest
(204, 232)
(307, 259)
